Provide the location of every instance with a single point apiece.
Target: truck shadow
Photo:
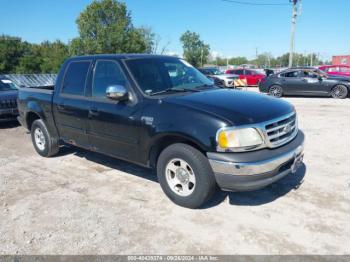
(109, 162)
(262, 196)
(252, 198)
(9, 124)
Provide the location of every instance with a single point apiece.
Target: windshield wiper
(205, 86)
(170, 90)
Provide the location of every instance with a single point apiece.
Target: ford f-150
(162, 113)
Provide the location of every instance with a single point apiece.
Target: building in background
(341, 60)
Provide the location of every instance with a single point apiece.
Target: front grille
(8, 103)
(281, 131)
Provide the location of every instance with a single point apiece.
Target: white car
(213, 72)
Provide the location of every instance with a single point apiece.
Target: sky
(230, 29)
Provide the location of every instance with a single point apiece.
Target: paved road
(85, 203)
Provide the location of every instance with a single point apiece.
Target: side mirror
(320, 78)
(117, 92)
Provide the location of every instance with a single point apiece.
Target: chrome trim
(261, 128)
(255, 168)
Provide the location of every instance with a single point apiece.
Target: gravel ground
(85, 203)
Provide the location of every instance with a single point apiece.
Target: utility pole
(202, 57)
(312, 59)
(292, 36)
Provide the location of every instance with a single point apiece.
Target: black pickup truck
(160, 112)
(8, 100)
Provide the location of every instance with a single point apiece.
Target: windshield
(7, 85)
(155, 75)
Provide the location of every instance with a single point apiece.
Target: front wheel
(276, 91)
(185, 175)
(44, 144)
(339, 92)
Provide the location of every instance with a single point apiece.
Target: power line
(255, 4)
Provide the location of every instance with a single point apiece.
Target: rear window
(75, 78)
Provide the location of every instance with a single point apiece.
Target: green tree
(195, 51)
(238, 60)
(46, 57)
(11, 49)
(105, 27)
(30, 61)
(52, 55)
(263, 60)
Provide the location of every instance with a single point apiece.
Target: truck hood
(8, 95)
(237, 107)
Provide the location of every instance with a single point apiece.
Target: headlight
(239, 139)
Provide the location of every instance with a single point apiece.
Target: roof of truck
(120, 56)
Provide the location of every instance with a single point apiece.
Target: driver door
(111, 128)
(312, 83)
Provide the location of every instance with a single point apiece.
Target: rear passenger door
(112, 128)
(70, 106)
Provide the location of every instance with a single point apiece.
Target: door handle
(93, 112)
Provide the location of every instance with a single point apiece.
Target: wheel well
(31, 117)
(341, 84)
(166, 141)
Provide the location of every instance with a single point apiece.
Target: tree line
(266, 60)
(105, 26)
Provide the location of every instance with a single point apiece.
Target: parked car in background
(196, 135)
(305, 82)
(214, 73)
(253, 77)
(8, 100)
(336, 70)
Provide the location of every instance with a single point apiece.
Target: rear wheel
(339, 92)
(42, 141)
(185, 175)
(276, 91)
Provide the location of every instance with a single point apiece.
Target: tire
(44, 144)
(185, 175)
(339, 92)
(276, 91)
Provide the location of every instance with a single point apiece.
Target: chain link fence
(32, 80)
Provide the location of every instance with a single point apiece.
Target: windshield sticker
(5, 81)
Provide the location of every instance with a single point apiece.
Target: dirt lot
(85, 203)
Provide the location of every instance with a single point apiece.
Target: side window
(344, 69)
(247, 72)
(75, 78)
(238, 72)
(309, 74)
(290, 74)
(107, 73)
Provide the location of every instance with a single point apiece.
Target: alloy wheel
(180, 177)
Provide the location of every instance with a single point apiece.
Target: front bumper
(254, 170)
(8, 114)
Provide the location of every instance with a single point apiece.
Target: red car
(253, 77)
(340, 70)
